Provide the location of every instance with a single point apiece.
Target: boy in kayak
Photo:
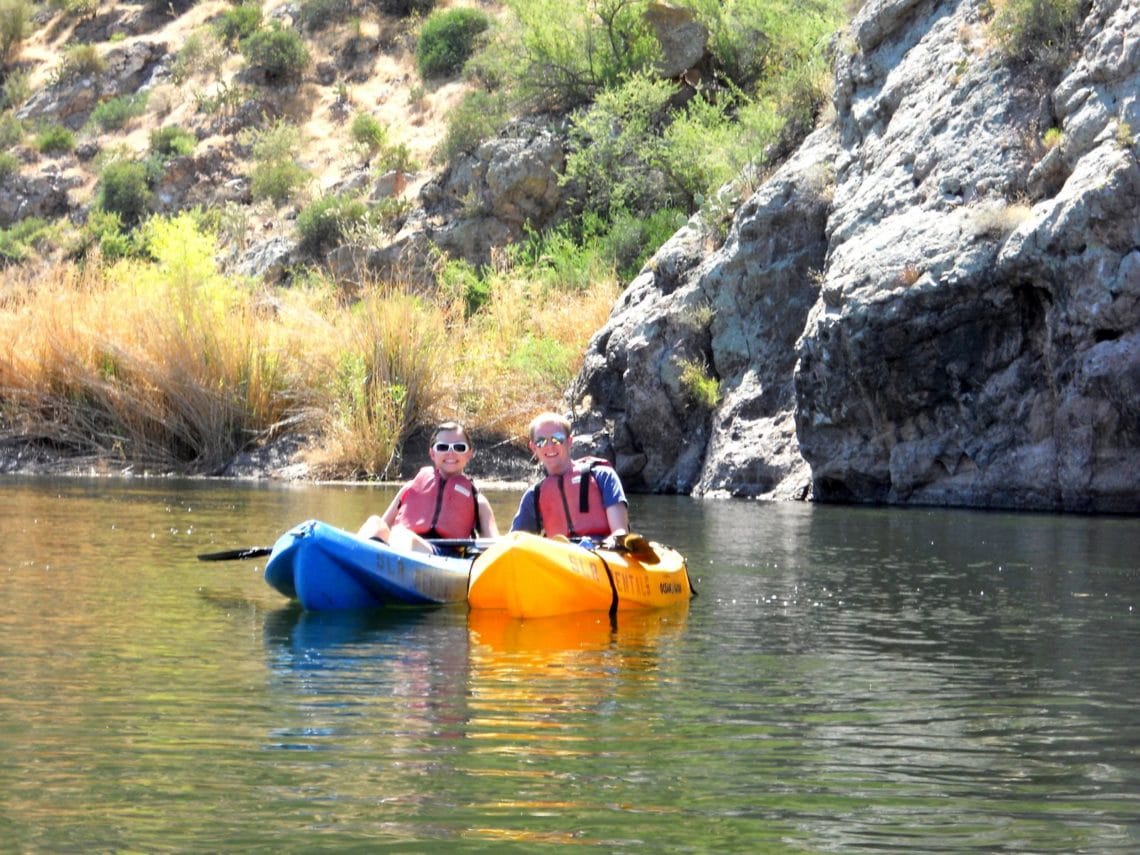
(439, 502)
(577, 498)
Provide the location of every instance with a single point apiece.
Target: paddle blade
(236, 554)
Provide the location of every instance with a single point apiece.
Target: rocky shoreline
(496, 465)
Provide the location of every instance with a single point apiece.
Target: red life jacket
(434, 506)
(571, 503)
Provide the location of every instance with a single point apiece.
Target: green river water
(855, 679)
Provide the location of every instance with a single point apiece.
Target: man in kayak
(577, 498)
(439, 502)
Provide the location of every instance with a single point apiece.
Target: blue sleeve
(610, 485)
(525, 518)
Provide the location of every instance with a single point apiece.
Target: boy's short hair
(542, 418)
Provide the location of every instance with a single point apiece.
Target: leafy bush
(1036, 30)
(79, 61)
(368, 132)
(700, 388)
(564, 60)
(543, 358)
(114, 113)
(276, 180)
(405, 8)
(325, 223)
(276, 175)
(19, 241)
(459, 280)
(15, 90)
(11, 130)
(280, 54)
(238, 23)
(104, 229)
(202, 53)
(319, 14)
(447, 39)
(123, 190)
(15, 23)
(55, 139)
(9, 165)
(477, 118)
(630, 240)
(617, 150)
(172, 141)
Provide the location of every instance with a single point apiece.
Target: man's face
(551, 445)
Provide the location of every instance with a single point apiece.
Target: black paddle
(236, 554)
(258, 551)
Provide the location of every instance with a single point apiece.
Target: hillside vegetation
(126, 328)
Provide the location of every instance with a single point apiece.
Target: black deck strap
(613, 587)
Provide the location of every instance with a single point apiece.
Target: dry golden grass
(171, 365)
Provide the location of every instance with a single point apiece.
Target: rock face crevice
(926, 304)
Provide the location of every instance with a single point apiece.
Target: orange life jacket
(434, 506)
(571, 503)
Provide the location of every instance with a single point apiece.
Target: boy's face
(551, 445)
(444, 454)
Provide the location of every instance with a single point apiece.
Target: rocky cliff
(936, 300)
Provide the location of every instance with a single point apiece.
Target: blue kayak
(325, 568)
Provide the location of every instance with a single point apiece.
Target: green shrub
(172, 141)
(55, 139)
(9, 165)
(15, 24)
(279, 141)
(11, 130)
(543, 359)
(1041, 31)
(459, 280)
(20, 240)
(617, 150)
(276, 180)
(405, 8)
(238, 23)
(700, 388)
(104, 229)
(325, 223)
(276, 175)
(447, 39)
(114, 113)
(630, 240)
(475, 119)
(563, 60)
(15, 90)
(369, 133)
(202, 53)
(278, 53)
(123, 190)
(319, 14)
(79, 61)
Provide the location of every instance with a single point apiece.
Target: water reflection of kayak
(498, 631)
(531, 576)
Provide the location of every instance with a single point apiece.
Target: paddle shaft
(259, 551)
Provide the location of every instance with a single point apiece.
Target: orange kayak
(532, 576)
